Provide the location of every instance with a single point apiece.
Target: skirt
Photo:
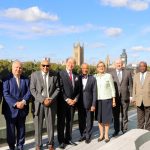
(103, 112)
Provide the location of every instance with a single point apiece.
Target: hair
(17, 62)
(100, 62)
(143, 62)
(119, 59)
(45, 60)
(84, 64)
(72, 58)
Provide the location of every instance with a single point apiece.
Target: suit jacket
(141, 93)
(88, 95)
(68, 90)
(13, 94)
(123, 89)
(37, 87)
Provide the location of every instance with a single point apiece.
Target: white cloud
(2, 46)
(30, 14)
(95, 45)
(113, 32)
(140, 48)
(21, 47)
(137, 5)
(115, 3)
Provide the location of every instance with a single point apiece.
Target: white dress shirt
(84, 81)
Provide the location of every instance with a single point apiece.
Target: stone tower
(78, 53)
(107, 61)
(123, 57)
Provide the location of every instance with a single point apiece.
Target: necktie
(45, 85)
(119, 76)
(70, 75)
(142, 78)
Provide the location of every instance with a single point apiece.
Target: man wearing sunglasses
(44, 88)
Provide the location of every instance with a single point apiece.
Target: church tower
(78, 53)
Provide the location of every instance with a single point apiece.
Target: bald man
(15, 105)
(44, 88)
(86, 103)
(141, 96)
(123, 85)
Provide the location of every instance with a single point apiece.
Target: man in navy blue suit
(15, 105)
(86, 103)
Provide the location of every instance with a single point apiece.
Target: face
(119, 64)
(84, 69)
(142, 67)
(101, 68)
(17, 69)
(70, 64)
(45, 66)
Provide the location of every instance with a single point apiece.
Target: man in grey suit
(86, 103)
(123, 85)
(141, 96)
(44, 88)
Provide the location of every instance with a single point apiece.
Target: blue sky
(34, 29)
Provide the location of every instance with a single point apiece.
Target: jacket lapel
(146, 77)
(50, 81)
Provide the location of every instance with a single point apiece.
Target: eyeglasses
(45, 66)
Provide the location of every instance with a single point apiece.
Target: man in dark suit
(66, 103)
(123, 86)
(86, 103)
(15, 105)
(44, 88)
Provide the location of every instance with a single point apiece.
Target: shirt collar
(43, 73)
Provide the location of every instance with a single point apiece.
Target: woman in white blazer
(105, 100)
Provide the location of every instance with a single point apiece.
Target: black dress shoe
(87, 141)
(62, 146)
(70, 143)
(124, 131)
(82, 139)
(107, 140)
(100, 139)
(115, 134)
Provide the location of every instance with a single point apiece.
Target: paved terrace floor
(94, 145)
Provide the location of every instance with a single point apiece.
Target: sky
(34, 29)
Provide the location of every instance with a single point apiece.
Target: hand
(70, 101)
(47, 102)
(113, 102)
(92, 108)
(20, 105)
(74, 102)
(134, 102)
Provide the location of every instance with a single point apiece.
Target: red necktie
(70, 75)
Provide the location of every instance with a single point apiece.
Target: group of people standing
(103, 96)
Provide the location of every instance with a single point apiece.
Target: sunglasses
(45, 66)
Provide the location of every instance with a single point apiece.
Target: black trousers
(120, 115)
(143, 117)
(85, 118)
(65, 116)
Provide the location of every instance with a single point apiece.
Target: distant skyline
(34, 29)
